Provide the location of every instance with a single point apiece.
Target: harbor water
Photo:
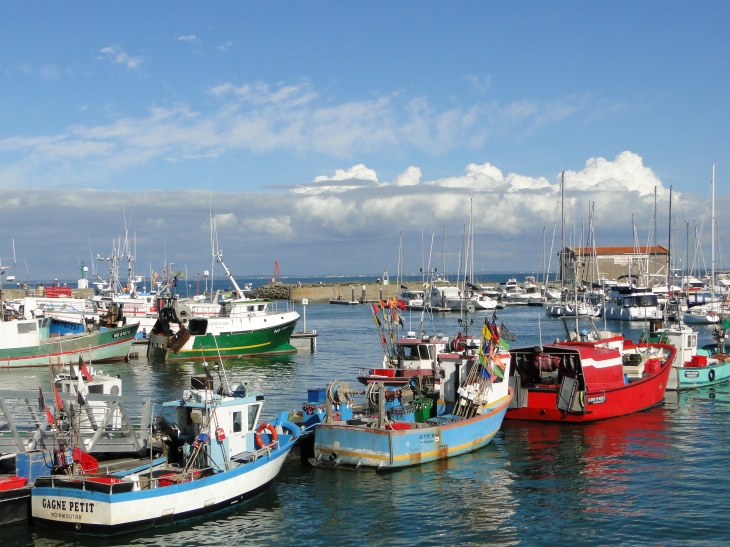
(656, 477)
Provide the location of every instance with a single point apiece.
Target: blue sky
(254, 100)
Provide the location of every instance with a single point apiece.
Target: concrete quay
(327, 291)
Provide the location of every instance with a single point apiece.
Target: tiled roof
(658, 249)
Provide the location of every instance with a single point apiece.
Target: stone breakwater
(315, 292)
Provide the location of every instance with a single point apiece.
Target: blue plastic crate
(316, 395)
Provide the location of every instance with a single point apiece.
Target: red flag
(59, 402)
(85, 371)
(49, 416)
(402, 305)
(383, 304)
(375, 308)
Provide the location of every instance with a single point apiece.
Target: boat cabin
(571, 368)
(230, 420)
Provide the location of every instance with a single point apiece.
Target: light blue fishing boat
(694, 367)
(461, 413)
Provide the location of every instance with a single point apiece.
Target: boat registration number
(428, 438)
(597, 400)
(692, 374)
(122, 333)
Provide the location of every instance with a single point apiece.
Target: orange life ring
(270, 430)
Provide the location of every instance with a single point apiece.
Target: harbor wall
(39, 292)
(326, 291)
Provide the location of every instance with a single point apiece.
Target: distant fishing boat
(217, 458)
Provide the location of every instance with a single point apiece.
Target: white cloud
(269, 225)
(358, 171)
(226, 46)
(317, 230)
(116, 55)
(411, 177)
(296, 118)
(190, 38)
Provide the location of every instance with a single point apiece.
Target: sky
(317, 133)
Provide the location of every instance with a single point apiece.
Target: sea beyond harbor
(626, 481)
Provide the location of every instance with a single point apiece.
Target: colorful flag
(485, 331)
(84, 371)
(59, 403)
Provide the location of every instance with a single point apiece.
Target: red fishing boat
(583, 380)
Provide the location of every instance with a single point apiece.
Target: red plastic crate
(9, 483)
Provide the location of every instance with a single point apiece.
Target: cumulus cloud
(411, 177)
(117, 56)
(353, 210)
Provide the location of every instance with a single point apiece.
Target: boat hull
(100, 513)
(97, 347)
(600, 404)
(694, 377)
(356, 446)
(272, 340)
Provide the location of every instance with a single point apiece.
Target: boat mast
(712, 280)
(562, 230)
(670, 274)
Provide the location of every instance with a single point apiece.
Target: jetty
(326, 292)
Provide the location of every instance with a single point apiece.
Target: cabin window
(25, 328)
(237, 422)
(253, 412)
(424, 352)
(691, 340)
(250, 308)
(409, 352)
(261, 307)
(96, 389)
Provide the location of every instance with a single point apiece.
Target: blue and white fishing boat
(462, 414)
(693, 367)
(217, 456)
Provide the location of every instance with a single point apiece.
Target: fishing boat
(29, 343)
(419, 422)
(590, 376)
(393, 431)
(692, 367)
(217, 456)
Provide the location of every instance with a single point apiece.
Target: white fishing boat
(217, 456)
